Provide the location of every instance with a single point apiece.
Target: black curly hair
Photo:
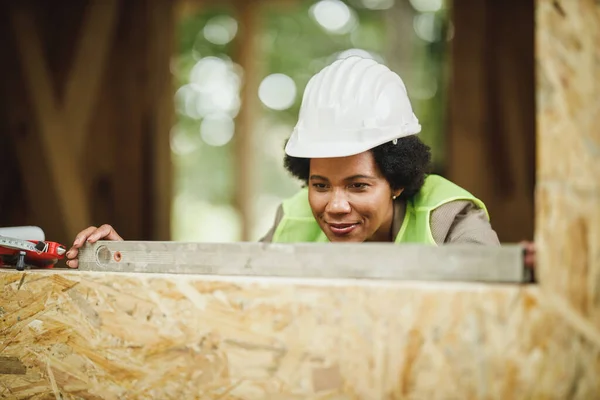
(404, 164)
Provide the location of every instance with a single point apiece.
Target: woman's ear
(396, 193)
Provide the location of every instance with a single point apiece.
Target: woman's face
(350, 198)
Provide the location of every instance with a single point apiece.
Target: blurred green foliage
(293, 43)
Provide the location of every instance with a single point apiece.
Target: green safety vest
(298, 224)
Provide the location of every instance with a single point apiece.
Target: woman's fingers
(105, 232)
(529, 258)
(83, 236)
(72, 253)
(89, 235)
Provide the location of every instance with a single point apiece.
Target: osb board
(568, 175)
(153, 336)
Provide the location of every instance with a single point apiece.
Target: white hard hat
(351, 106)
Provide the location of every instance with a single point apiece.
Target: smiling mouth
(342, 229)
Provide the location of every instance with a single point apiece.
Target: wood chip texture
(568, 175)
(170, 336)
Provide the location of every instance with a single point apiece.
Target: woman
(382, 194)
(365, 172)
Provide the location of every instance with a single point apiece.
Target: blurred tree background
(296, 40)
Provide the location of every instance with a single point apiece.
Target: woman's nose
(338, 204)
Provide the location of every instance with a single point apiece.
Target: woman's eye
(319, 185)
(359, 186)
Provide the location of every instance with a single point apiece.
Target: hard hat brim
(296, 148)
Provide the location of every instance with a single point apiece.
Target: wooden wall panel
(568, 187)
(131, 335)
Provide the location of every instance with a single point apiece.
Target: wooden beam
(398, 31)
(162, 27)
(104, 70)
(344, 261)
(27, 196)
(98, 27)
(62, 124)
(130, 77)
(63, 170)
(491, 137)
(42, 201)
(130, 335)
(247, 53)
(187, 7)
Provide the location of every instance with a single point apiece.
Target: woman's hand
(529, 248)
(90, 235)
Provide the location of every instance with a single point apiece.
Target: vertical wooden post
(51, 123)
(247, 55)
(491, 138)
(130, 76)
(161, 23)
(568, 176)
(399, 31)
(140, 105)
